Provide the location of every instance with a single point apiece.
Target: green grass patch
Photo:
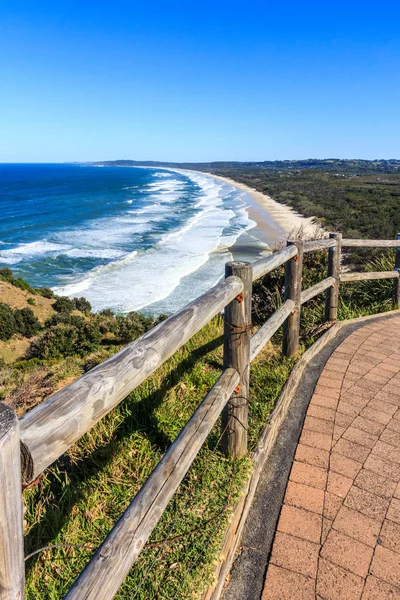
(79, 499)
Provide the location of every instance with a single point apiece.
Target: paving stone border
(247, 576)
(338, 534)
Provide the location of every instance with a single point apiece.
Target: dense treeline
(360, 198)
(332, 165)
(358, 206)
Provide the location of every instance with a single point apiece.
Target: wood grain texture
(319, 245)
(108, 568)
(316, 289)
(12, 566)
(332, 293)
(266, 265)
(237, 335)
(349, 243)
(368, 275)
(265, 333)
(53, 426)
(293, 276)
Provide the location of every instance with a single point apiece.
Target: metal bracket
(240, 297)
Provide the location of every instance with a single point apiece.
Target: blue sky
(196, 81)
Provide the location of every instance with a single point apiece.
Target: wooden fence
(30, 445)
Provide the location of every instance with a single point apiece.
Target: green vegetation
(358, 205)
(78, 500)
(361, 198)
(6, 274)
(22, 321)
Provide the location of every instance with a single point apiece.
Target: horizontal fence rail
(52, 427)
(316, 289)
(47, 431)
(319, 245)
(106, 571)
(364, 276)
(266, 265)
(349, 243)
(265, 333)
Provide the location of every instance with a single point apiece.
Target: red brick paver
(338, 536)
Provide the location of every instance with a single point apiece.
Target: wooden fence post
(293, 274)
(12, 567)
(332, 294)
(396, 287)
(237, 335)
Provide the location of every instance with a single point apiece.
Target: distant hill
(328, 165)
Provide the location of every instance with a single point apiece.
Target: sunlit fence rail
(44, 434)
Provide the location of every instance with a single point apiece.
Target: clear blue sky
(91, 80)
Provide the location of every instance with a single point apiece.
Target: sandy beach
(275, 221)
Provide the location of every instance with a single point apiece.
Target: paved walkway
(338, 536)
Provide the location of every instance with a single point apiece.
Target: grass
(79, 499)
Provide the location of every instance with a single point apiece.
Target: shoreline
(273, 219)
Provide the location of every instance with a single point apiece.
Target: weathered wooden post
(396, 287)
(332, 294)
(12, 568)
(237, 334)
(293, 274)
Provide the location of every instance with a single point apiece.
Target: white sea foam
(31, 249)
(177, 264)
(142, 278)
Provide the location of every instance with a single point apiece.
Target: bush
(107, 312)
(83, 305)
(6, 274)
(63, 304)
(66, 340)
(65, 318)
(46, 292)
(7, 322)
(27, 324)
(132, 326)
(89, 338)
(22, 285)
(31, 301)
(55, 343)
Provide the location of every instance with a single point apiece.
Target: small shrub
(7, 322)
(67, 339)
(22, 285)
(31, 301)
(160, 319)
(27, 324)
(55, 343)
(107, 312)
(6, 274)
(83, 305)
(46, 292)
(64, 318)
(89, 338)
(63, 304)
(132, 326)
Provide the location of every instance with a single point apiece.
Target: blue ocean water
(125, 238)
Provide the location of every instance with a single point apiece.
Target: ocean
(126, 238)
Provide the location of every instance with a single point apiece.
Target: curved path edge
(256, 536)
